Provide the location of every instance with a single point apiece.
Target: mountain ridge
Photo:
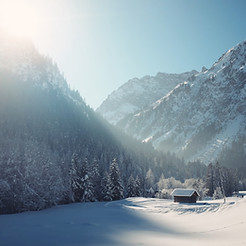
(200, 116)
(128, 98)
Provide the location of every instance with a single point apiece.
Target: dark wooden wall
(186, 199)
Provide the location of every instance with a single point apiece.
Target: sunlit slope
(134, 221)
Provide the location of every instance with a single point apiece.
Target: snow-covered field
(133, 221)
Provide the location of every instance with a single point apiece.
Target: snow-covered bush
(197, 184)
(164, 194)
(218, 194)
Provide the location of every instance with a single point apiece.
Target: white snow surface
(133, 221)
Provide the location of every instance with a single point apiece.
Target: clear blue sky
(101, 44)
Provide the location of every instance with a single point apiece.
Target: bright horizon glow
(19, 19)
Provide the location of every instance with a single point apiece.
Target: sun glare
(19, 19)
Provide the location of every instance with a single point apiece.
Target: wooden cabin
(185, 195)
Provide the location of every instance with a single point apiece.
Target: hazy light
(19, 18)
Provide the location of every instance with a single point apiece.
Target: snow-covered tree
(105, 188)
(197, 184)
(138, 191)
(86, 184)
(218, 194)
(210, 180)
(5, 196)
(231, 183)
(75, 175)
(96, 179)
(219, 178)
(131, 187)
(172, 183)
(166, 186)
(116, 187)
(161, 183)
(149, 183)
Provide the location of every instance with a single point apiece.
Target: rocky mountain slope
(201, 116)
(137, 93)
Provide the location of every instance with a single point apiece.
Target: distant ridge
(136, 94)
(199, 118)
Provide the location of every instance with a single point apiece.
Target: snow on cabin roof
(184, 192)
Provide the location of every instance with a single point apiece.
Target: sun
(18, 19)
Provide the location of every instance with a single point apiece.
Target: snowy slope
(134, 221)
(200, 116)
(19, 57)
(137, 93)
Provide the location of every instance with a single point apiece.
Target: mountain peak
(19, 57)
(136, 94)
(236, 56)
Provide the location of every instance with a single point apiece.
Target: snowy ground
(133, 221)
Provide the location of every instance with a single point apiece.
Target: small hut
(185, 195)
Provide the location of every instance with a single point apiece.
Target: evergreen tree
(149, 183)
(138, 191)
(131, 187)
(116, 187)
(96, 180)
(210, 180)
(219, 179)
(75, 175)
(222, 178)
(161, 183)
(87, 185)
(105, 188)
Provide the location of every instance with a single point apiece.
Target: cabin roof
(184, 192)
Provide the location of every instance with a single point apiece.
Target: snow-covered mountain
(201, 116)
(19, 57)
(137, 93)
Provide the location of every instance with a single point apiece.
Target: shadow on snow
(100, 223)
